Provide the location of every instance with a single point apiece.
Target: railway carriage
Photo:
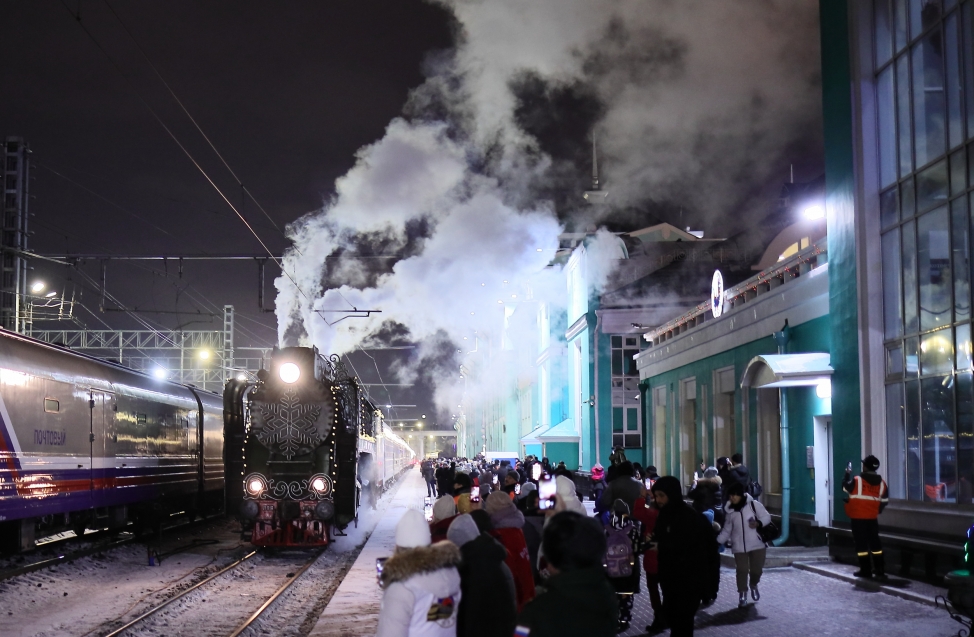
(85, 442)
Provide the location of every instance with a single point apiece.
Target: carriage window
(140, 419)
(51, 406)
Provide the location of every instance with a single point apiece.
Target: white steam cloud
(697, 97)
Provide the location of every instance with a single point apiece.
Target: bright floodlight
(241, 376)
(815, 211)
(204, 354)
(159, 372)
(37, 287)
(289, 372)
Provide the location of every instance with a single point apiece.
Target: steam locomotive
(86, 443)
(311, 441)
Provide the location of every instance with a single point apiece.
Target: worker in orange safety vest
(866, 496)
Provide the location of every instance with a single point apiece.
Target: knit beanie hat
(412, 530)
(526, 488)
(462, 530)
(482, 519)
(498, 502)
(871, 463)
(444, 508)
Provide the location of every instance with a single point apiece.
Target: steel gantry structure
(205, 358)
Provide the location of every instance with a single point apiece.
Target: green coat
(580, 603)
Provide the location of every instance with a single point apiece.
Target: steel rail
(156, 609)
(273, 598)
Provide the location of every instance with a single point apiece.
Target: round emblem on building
(717, 294)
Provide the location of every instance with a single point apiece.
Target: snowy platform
(354, 609)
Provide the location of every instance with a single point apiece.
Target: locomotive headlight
(289, 372)
(255, 486)
(318, 484)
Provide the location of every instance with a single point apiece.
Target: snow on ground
(72, 599)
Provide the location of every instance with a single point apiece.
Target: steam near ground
(696, 106)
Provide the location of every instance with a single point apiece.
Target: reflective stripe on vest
(865, 499)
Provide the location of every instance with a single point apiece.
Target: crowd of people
(492, 557)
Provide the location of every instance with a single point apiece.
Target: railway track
(103, 540)
(222, 604)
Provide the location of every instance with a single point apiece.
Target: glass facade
(924, 83)
(626, 418)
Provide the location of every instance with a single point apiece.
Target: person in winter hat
(646, 513)
(706, 492)
(742, 519)
(623, 532)
(598, 481)
(444, 510)
(565, 488)
(866, 495)
(488, 608)
(688, 561)
(507, 522)
(421, 584)
(578, 600)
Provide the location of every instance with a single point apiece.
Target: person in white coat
(743, 517)
(421, 584)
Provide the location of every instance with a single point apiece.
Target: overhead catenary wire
(190, 116)
(189, 155)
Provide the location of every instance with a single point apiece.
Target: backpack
(618, 554)
(755, 489)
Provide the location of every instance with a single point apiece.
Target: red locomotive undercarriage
(289, 523)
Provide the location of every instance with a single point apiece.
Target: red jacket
(519, 561)
(647, 515)
(438, 529)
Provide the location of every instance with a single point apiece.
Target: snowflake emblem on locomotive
(311, 440)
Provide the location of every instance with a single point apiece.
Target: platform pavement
(354, 609)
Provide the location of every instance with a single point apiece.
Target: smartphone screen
(546, 493)
(517, 489)
(475, 494)
(536, 471)
(380, 562)
(495, 480)
(648, 482)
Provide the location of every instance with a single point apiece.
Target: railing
(798, 264)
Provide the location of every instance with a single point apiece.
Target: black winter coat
(578, 603)
(487, 605)
(689, 562)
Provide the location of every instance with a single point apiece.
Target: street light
(37, 287)
(160, 373)
(814, 211)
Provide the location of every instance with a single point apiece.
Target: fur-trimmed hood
(406, 563)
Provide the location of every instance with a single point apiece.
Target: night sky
(287, 92)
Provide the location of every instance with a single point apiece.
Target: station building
(887, 297)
